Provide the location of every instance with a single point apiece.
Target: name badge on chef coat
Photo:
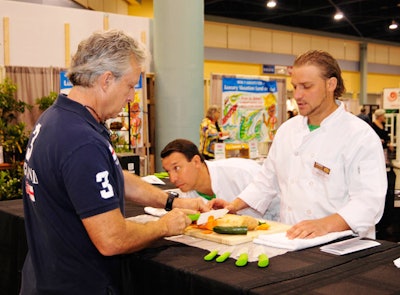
(322, 168)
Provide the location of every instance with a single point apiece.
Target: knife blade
(203, 218)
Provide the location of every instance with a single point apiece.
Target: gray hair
(105, 51)
(211, 112)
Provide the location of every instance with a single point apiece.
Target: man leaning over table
(327, 166)
(74, 185)
(197, 177)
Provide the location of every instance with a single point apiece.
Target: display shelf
(133, 130)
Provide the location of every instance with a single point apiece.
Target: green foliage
(10, 182)
(13, 138)
(46, 101)
(119, 143)
(9, 105)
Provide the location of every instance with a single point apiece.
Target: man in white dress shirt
(326, 165)
(224, 178)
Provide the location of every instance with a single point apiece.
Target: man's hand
(175, 222)
(196, 204)
(233, 207)
(308, 229)
(218, 204)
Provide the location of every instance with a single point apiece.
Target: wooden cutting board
(275, 227)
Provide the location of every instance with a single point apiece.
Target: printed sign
(249, 109)
(219, 151)
(65, 83)
(391, 98)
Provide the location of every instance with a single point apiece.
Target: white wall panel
(37, 31)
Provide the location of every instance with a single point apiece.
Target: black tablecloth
(13, 246)
(167, 267)
(172, 268)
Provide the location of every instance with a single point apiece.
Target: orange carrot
(209, 224)
(263, 226)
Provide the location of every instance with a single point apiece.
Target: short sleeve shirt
(71, 173)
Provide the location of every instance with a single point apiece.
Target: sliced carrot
(207, 231)
(263, 226)
(209, 224)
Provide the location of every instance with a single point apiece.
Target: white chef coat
(337, 168)
(229, 177)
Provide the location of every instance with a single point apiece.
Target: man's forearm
(143, 193)
(237, 205)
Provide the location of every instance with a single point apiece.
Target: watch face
(174, 194)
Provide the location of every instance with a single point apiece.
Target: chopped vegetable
(242, 260)
(209, 224)
(263, 260)
(262, 226)
(231, 230)
(223, 257)
(210, 256)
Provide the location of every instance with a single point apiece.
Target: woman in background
(210, 132)
(379, 126)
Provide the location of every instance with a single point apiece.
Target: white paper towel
(280, 240)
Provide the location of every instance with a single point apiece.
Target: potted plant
(46, 101)
(13, 139)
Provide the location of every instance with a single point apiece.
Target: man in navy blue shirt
(74, 185)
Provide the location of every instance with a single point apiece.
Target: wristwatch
(171, 197)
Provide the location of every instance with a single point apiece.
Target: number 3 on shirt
(107, 192)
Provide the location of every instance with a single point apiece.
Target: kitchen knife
(203, 218)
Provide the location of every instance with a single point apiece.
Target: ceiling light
(393, 25)
(338, 15)
(271, 3)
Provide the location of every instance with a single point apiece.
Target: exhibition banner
(136, 116)
(391, 98)
(249, 109)
(65, 83)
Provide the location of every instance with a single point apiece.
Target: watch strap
(170, 200)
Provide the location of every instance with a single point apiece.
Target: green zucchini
(231, 230)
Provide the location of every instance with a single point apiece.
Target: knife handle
(263, 260)
(223, 257)
(242, 260)
(194, 217)
(210, 256)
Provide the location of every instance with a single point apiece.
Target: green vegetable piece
(263, 260)
(231, 230)
(194, 217)
(161, 174)
(210, 256)
(223, 257)
(242, 260)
